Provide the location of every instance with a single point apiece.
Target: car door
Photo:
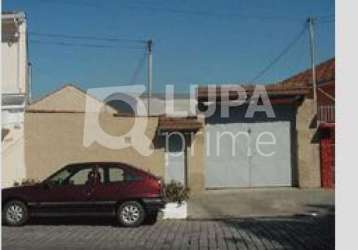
(68, 193)
(119, 184)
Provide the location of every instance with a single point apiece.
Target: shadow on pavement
(289, 232)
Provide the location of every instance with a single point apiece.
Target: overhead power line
(325, 17)
(138, 68)
(283, 52)
(203, 13)
(85, 37)
(326, 21)
(89, 45)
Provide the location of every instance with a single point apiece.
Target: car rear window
(116, 175)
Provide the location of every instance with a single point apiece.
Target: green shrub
(26, 182)
(176, 192)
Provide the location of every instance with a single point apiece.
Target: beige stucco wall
(308, 165)
(59, 132)
(195, 166)
(69, 98)
(53, 140)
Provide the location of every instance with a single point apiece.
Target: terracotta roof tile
(273, 91)
(325, 71)
(299, 84)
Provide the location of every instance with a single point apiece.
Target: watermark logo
(135, 137)
(131, 100)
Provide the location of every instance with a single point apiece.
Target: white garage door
(248, 154)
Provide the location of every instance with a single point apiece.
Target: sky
(194, 42)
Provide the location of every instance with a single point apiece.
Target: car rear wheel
(131, 214)
(15, 213)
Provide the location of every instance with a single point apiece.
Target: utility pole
(149, 72)
(310, 22)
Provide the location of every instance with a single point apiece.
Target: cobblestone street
(295, 232)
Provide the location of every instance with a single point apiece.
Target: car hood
(19, 190)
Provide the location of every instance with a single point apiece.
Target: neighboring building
(304, 148)
(288, 159)
(325, 115)
(14, 90)
(326, 128)
(54, 135)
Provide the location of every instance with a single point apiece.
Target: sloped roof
(208, 93)
(68, 99)
(325, 71)
(204, 92)
(299, 84)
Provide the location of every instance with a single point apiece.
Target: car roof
(107, 164)
(100, 163)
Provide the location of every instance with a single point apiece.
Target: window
(116, 175)
(60, 177)
(73, 176)
(81, 177)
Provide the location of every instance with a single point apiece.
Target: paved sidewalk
(299, 232)
(214, 204)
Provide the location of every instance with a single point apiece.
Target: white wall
(13, 81)
(14, 62)
(13, 157)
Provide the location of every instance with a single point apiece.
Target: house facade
(56, 133)
(14, 91)
(282, 149)
(256, 150)
(183, 148)
(325, 121)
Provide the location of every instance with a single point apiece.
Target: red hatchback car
(87, 189)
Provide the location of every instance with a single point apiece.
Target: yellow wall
(53, 140)
(308, 163)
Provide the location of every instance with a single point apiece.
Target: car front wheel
(15, 213)
(131, 214)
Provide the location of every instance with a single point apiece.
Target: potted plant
(176, 196)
